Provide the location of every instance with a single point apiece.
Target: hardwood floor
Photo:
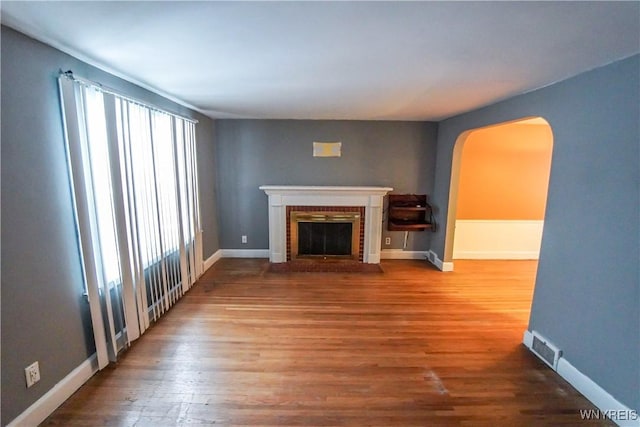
(410, 347)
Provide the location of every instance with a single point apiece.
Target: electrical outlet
(244, 239)
(387, 240)
(32, 374)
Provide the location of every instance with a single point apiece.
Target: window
(133, 173)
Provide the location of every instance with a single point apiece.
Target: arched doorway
(498, 191)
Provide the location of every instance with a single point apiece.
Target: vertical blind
(134, 179)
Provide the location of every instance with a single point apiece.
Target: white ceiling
(336, 60)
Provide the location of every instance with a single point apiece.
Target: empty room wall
(587, 293)
(504, 173)
(279, 152)
(45, 316)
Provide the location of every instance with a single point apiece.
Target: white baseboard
(402, 254)
(605, 402)
(212, 259)
(245, 253)
(264, 253)
(432, 257)
(43, 407)
(596, 394)
(497, 239)
(527, 339)
(503, 255)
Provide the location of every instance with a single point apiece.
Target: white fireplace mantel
(281, 196)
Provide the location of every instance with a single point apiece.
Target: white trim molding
(264, 253)
(234, 253)
(245, 253)
(281, 196)
(51, 400)
(497, 239)
(606, 403)
(443, 266)
(527, 339)
(402, 254)
(208, 263)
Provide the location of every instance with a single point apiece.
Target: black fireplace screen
(324, 238)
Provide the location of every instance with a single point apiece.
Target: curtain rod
(69, 75)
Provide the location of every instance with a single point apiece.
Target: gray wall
(279, 152)
(206, 152)
(44, 315)
(587, 292)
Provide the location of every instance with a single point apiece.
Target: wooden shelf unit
(409, 212)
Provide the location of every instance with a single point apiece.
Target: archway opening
(499, 183)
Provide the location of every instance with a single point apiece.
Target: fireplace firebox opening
(325, 234)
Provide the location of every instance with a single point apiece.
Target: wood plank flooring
(410, 347)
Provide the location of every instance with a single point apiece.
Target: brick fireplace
(359, 206)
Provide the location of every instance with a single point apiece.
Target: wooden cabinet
(409, 212)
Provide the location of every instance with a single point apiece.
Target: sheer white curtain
(134, 178)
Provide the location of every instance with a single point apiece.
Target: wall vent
(545, 350)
